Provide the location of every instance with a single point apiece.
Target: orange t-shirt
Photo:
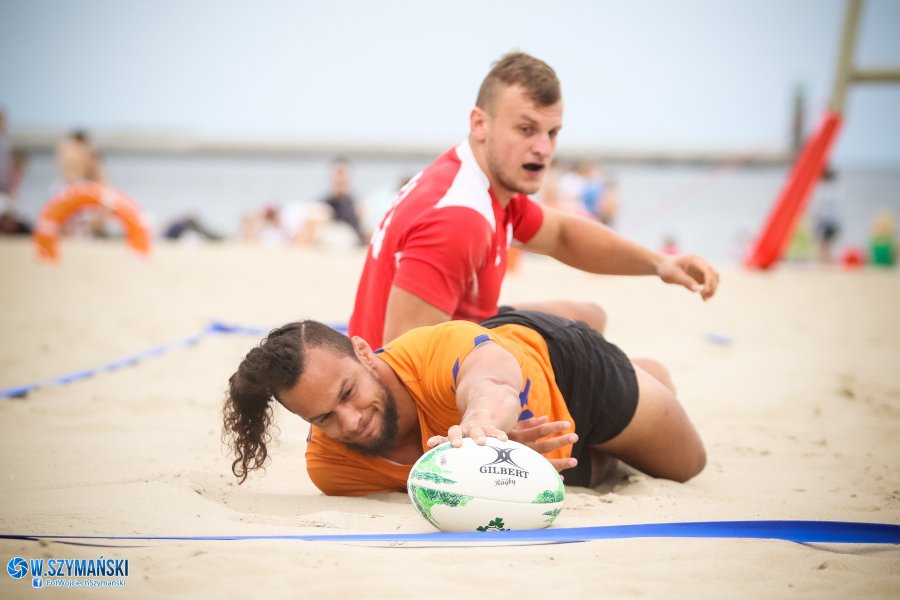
(427, 360)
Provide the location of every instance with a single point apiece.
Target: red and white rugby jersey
(445, 240)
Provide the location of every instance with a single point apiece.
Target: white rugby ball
(496, 487)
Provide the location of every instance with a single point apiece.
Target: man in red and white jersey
(440, 252)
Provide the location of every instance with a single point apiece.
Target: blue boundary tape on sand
(214, 328)
(837, 532)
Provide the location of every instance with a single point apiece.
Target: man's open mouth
(534, 167)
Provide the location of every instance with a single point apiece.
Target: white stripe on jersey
(470, 187)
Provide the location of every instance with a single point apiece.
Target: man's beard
(495, 168)
(389, 427)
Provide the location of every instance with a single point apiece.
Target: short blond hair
(517, 68)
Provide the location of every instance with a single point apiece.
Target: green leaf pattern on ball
(551, 496)
(493, 525)
(552, 514)
(429, 469)
(430, 477)
(427, 499)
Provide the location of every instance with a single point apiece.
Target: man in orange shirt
(380, 410)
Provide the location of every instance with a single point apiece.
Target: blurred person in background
(549, 192)
(341, 200)
(826, 225)
(265, 227)
(79, 161)
(5, 157)
(13, 162)
(584, 190)
(883, 242)
(606, 208)
(189, 227)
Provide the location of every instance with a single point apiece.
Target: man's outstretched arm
(487, 395)
(594, 247)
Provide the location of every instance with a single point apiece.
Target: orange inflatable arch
(80, 196)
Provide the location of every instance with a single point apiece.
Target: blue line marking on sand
(214, 328)
(838, 532)
(718, 339)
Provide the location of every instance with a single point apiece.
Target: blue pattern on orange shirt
(523, 402)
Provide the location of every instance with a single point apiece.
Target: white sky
(679, 74)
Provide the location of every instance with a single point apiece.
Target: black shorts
(596, 379)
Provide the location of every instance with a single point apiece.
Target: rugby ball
(495, 487)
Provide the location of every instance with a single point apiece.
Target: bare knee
(589, 312)
(691, 464)
(660, 440)
(657, 370)
(683, 463)
(592, 314)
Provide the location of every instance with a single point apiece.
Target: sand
(792, 378)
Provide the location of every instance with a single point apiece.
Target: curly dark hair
(273, 366)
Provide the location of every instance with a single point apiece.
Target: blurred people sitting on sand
(13, 162)
(883, 248)
(79, 161)
(583, 189)
(341, 200)
(826, 225)
(18, 166)
(571, 186)
(298, 224)
(549, 192)
(189, 228)
(11, 222)
(6, 158)
(607, 208)
(304, 222)
(265, 227)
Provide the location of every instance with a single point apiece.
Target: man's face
(519, 141)
(346, 400)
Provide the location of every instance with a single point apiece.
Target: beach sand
(792, 378)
